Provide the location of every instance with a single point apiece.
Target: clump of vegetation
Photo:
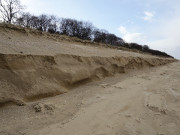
(11, 13)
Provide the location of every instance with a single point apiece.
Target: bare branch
(9, 9)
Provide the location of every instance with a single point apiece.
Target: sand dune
(26, 74)
(60, 85)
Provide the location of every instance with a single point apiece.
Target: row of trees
(42, 22)
(145, 48)
(11, 12)
(69, 27)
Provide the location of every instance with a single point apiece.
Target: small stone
(38, 107)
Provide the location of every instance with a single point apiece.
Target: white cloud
(148, 16)
(130, 37)
(123, 30)
(170, 41)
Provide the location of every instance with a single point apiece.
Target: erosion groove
(30, 77)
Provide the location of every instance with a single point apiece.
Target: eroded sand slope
(35, 65)
(27, 77)
(58, 84)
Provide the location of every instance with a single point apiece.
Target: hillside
(37, 69)
(36, 64)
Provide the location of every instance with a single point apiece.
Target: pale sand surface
(141, 102)
(17, 42)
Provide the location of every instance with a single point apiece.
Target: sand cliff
(53, 84)
(34, 64)
(27, 77)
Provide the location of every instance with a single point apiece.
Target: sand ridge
(28, 77)
(53, 84)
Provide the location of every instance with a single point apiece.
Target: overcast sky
(152, 22)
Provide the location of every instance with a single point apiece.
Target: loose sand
(60, 87)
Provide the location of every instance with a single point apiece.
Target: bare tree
(44, 22)
(53, 24)
(24, 20)
(9, 9)
(145, 48)
(100, 36)
(34, 22)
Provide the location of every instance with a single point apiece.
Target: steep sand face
(28, 77)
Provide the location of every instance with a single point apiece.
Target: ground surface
(51, 85)
(18, 42)
(141, 102)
